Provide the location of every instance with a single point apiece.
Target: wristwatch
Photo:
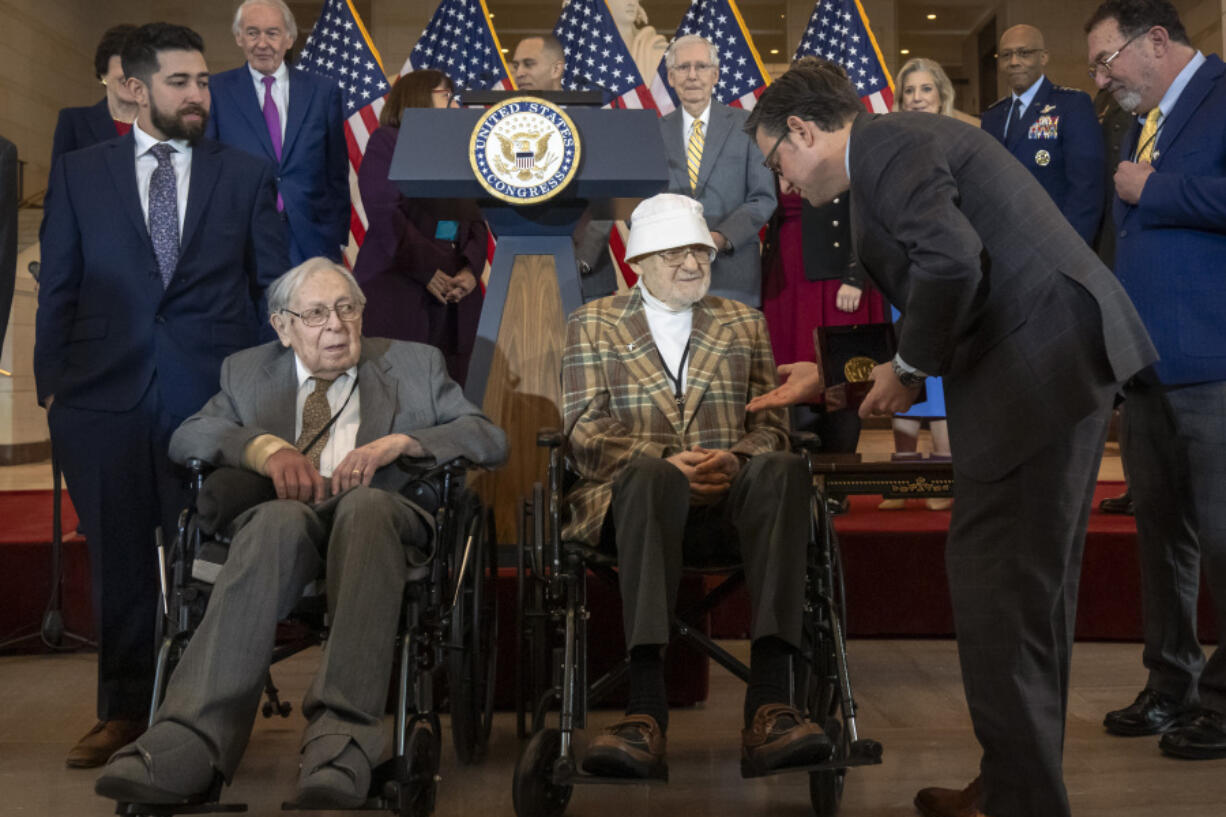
(908, 379)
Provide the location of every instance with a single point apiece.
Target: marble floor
(910, 699)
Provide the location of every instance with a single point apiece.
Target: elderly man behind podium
(673, 469)
(340, 425)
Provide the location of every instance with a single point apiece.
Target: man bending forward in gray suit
(1033, 340)
(340, 425)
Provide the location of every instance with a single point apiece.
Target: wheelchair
(552, 615)
(445, 647)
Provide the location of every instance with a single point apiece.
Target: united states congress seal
(524, 150)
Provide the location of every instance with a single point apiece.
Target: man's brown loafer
(779, 738)
(938, 802)
(632, 747)
(104, 740)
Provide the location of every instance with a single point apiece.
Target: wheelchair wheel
(826, 790)
(420, 772)
(534, 793)
(474, 633)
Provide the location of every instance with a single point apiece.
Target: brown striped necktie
(693, 153)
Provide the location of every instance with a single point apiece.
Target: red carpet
(25, 565)
(894, 565)
(895, 571)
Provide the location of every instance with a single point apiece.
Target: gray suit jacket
(974, 253)
(402, 388)
(737, 194)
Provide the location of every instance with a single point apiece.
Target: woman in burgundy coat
(421, 275)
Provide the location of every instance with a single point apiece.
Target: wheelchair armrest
(805, 441)
(199, 467)
(549, 438)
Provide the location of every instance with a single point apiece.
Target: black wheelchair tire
(474, 630)
(826, 790)
(419, 773)
(534, 794)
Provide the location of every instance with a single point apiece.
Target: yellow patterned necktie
(1149, 133)
(693, 153)
(315, 416)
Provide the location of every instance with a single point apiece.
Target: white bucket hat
(664, 222)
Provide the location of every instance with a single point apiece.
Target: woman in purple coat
(420, 274)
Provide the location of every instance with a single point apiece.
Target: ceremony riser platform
(894, 564)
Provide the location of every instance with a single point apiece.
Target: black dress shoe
(1152, 713)
(1117, 504)
(1202, 739)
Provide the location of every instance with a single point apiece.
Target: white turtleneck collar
(670, 329)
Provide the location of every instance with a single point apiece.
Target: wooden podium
(515, 372)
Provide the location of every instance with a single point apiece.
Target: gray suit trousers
(1174, 443)
(763, 522)
(279, 547)
(1013, 557)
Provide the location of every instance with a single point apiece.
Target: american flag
(838, 31)
(340, 48)
(597, 58)
(742, 77)
(460, 41)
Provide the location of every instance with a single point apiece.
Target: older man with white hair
(673, 470)
(293, 118)
(339, 424)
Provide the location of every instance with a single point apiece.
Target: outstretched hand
(802, 383)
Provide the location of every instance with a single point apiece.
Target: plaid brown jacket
(619, 404)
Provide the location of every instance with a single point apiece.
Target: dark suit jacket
(737, 194)
(82, 127)
(1064, 151)
(8, 231)
(78, 128)
(1172, 243)
(400, 255)
(402, 388)
(943, 221)
(313, 175)
(105, 327)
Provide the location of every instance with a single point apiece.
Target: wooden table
(842, 475)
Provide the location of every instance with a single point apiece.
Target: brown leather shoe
(938, 802)
(779, 738)
(632, 747)
(104, 740)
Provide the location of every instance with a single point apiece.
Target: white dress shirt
(146, 163)
(670, 329)
(280, 91)
(343, 434)
(687, 127)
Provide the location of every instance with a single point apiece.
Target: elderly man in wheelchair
(339, 425)
(673, 470)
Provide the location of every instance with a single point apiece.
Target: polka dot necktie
(315, 416)
(164, 212)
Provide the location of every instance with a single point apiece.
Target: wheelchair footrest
(168, 809)
(583, 779)
(371, 804)
(864, 752)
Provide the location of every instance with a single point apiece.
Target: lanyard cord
(678, 395)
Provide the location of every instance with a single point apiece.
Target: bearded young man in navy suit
(295, 120)
(1170, 217)
(158, 246)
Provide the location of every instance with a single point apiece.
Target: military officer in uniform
(1053, 131)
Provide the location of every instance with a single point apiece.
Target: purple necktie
(272, 118)
(164, 212)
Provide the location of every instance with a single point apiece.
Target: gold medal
(858, 369)
(1042, 158)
